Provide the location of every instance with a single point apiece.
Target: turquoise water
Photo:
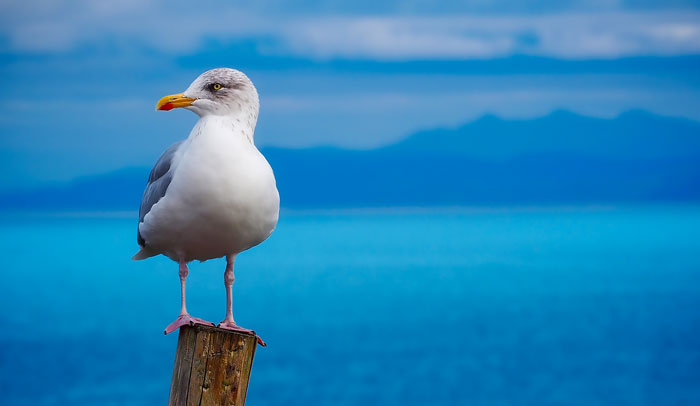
(506, 307)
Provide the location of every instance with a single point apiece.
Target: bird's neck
(238, 125)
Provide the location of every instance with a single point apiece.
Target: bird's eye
(216, 86)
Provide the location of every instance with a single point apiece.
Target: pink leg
(184, 318)
(228, 322)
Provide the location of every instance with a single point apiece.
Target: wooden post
(212, 367)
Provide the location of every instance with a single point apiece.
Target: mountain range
(561, 158)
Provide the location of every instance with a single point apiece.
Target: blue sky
(81, 78)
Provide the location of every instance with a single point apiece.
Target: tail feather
(144, 253)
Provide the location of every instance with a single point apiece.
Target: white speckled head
(223, 92)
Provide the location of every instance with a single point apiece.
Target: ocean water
(572, 306)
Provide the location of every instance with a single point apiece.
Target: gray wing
(158, 182)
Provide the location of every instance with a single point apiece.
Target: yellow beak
(174, 101)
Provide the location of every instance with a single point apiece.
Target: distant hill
(562, 158)
(634, 135)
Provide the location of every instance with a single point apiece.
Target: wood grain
(212, 367)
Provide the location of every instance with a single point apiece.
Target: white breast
(222, 199)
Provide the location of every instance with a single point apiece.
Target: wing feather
(158, 182)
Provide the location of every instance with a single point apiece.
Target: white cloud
(578, 35)
(160, 25)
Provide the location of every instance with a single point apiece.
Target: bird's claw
(230, 325)
(185, 319)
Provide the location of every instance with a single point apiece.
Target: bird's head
(221, 91)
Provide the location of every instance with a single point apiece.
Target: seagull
(213, 194)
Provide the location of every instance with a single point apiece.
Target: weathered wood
(212, 367)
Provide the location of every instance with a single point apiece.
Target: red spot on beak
(167, 107)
